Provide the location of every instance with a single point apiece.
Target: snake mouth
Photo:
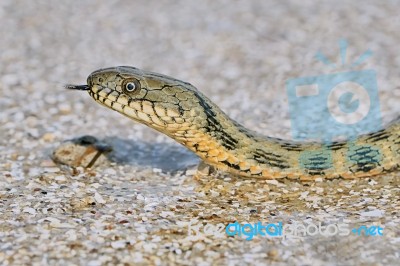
(77, 87)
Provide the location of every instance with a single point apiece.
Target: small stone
(178, 251)
(65, 108)
(99, 198)
(372, 182)
(60, 178)
(272, 182)
(10, 79)
(374, 213)
(110, 171)
(214, 193)
(165, 214)
(140, 197)
(157, 170)
(48, 137)
(191, 172)
(29, 210)
(273, 254)
(118, 244)
(52, 169)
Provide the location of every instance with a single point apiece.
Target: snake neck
(224, 143)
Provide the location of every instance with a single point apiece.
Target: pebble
(118, 244)
(48, 137)
(99, 198)
(191, 172)
(374, 213)
(110, 171)
(10, 79)
(47, 163)
(30, 210)
(65, 108)
(51, 169)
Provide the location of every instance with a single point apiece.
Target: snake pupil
(130, 86)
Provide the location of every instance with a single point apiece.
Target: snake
(179, 110)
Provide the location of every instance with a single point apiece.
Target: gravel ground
(136, 208)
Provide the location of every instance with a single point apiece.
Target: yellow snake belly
(179, 110)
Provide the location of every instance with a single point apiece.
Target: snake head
(159, 101)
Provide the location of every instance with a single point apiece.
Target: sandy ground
(137, 208)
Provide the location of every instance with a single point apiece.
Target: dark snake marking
(234, 166)
(336, 145)
(365, 158)
(270, 159)
(379, 135)
(215, 128)
(315, 163)
(291, 146)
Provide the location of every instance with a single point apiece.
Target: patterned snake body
(179, 110)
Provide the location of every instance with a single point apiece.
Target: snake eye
(131, 86)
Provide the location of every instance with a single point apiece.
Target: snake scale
(182, 112)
